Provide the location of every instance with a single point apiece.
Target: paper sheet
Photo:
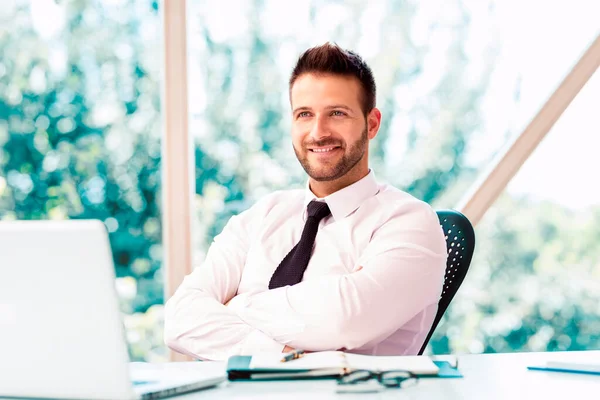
(324, 359)
(334, 359)
(420, 365)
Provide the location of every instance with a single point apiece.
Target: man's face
(329, 129)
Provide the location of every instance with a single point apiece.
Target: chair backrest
(460, 242)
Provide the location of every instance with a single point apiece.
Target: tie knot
(318, 210)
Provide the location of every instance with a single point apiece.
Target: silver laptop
(61, 333)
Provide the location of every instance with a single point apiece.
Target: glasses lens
(398, 383)
(355, 377)
(396, 375)
(397, 379)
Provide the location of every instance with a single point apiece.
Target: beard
(329, 171)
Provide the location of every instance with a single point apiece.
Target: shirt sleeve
(197, 322)
(403, 273)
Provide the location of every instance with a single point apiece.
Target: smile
(324, 149)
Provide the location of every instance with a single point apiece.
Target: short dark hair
(331, 59)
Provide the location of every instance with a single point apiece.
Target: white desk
(487, 376)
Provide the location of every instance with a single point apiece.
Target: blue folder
(446, 371)
(238, 368)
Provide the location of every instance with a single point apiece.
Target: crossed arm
(402, 273)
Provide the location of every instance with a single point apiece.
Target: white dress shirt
(385, 308)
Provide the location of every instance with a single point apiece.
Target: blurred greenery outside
(80, 128)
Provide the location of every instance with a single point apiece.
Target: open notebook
(323, 364)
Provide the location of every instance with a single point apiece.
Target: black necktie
(292, 268)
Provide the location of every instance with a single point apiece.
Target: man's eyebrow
(338, 106)
(301, 109)
(327, 108)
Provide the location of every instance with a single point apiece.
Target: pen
(294, 355)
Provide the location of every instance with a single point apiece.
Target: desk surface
(486, 376)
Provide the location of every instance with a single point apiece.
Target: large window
(535, 285)
(457, 80)
(432, 66)
(80, 137)
(80, 134)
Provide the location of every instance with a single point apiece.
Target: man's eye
(303, 114)
(338, 113)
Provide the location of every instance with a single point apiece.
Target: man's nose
(319, 129)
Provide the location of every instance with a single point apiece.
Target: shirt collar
(343, 202)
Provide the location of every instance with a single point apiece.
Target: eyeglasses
(389, 379)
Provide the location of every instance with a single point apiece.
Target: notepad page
(315, 373)
(320, 360)
(420, 365)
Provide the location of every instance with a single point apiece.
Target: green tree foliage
(533, 285)
(79, 126)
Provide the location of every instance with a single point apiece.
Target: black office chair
(460, 241)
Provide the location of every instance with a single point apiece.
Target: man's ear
(373, 123)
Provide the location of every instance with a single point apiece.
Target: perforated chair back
(460, 242)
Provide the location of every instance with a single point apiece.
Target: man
(346, 263)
